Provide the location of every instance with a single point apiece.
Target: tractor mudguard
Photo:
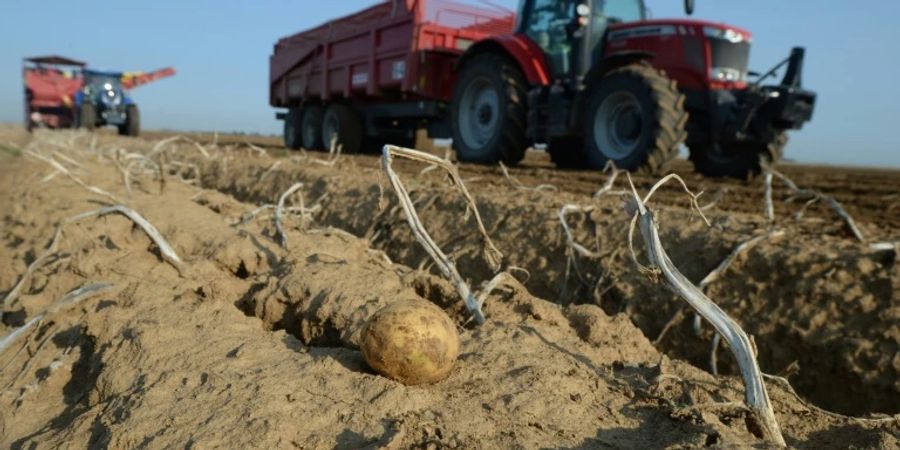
(520, 49)
(614, 61)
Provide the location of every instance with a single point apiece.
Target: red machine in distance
(52, 84)
(595, 80)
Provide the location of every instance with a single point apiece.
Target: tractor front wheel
(738, 160)
(635, 118)
(132, 125)
(87, 116)
(487, 113)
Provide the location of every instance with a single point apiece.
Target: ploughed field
(242, 342)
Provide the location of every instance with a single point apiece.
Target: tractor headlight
(726, 74)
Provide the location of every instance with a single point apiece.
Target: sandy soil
(253, 345)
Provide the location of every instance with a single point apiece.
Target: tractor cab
(570, 31)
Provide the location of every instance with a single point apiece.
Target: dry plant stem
(334, 153)
(69, 299)
(573, 247)
(607, 187)
(756, 397)
(815, 195)
(738, 251)
(492, 255)
(59, 167)
(270, 170)
(518, 184)
(165, 249)
(163, 143)
(282, 238)
(787, 385)
(770, 207)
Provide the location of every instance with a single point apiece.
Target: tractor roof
(103, 73)
(55, 60)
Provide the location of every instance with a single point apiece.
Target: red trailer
(381, 72)
(51, 83)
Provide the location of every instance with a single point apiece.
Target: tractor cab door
(551, 24)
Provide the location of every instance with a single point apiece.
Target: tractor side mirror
(689, 7)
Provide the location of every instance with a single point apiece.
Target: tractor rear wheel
(342, 125)
(488, 111)
(132, 125)
(567, 152)
(311, 127)
(87, 116)
(635, 118)
(740, 160)
(292, 126)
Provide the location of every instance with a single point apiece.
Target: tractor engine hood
(699, 54)
(677, 27)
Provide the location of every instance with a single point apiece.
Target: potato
(411, 341)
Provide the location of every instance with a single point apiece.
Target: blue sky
(221, 49)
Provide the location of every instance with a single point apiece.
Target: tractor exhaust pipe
(689, 7)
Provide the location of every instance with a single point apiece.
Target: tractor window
(622, 10)
(549, 24)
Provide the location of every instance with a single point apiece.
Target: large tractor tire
(741, 160)
(567, 153)
(343, 125)
(87, 116)
(488, 111)
(635, 118)
(292, 126)
(311, 127)
(132, 125)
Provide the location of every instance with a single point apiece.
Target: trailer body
(394, 60)
(51, 84)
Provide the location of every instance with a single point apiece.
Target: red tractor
(595, 80)
(614, 86)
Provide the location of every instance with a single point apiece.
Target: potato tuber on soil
(411, 341)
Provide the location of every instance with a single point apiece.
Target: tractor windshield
(607, 12)
(97, 83)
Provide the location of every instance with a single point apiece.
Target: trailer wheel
(87, 116)
(342, 124)
(741, 160)
(487, 114)
(132, 125)
(567, 152)
(292, 127)
(311, 127)
(635, 118)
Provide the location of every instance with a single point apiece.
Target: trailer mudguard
(519, 48)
